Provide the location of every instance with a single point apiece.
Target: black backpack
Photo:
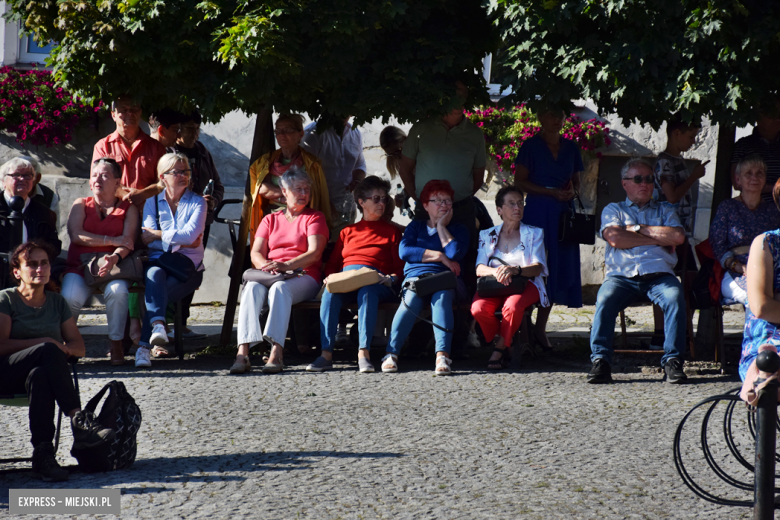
(120, 413)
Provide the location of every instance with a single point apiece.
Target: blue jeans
(617, 292)
(441, 314)
(368, 298)
(159, 290)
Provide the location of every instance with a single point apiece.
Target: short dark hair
(22, 253)
(192, 116)
(369, 184)
(506, 190)
(676, 123)
(166, 117)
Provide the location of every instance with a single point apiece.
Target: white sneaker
(159, 336)
(142, 359)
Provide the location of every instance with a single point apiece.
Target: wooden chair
(21, 400)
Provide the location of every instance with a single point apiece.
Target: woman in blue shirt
(548, 169)
(181, 215)
(429, 247)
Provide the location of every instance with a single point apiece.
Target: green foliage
(327, 58)
(644, 58)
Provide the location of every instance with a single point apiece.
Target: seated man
(641, 236)
(46, 195)
(17, 177)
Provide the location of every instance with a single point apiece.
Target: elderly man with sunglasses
(641, 236)
(18, 177)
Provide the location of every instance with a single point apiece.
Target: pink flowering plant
(506, 129)
(37, 111)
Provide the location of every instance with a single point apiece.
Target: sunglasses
(639, 179)
(383, 199)
(179, 173)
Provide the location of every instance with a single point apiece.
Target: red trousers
(512, 309)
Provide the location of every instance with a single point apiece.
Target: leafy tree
(326, 57)
(644, 58)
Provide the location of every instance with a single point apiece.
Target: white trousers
(76, 293)
(279, 300)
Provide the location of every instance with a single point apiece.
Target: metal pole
(768, 363)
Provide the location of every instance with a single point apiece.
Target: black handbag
(577, 227)
(430, 283)
(489, 287)
(175, 264)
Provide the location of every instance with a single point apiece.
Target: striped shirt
(768, 150)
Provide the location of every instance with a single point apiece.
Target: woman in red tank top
(102, 223)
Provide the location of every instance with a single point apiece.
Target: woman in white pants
(102, 223)
(286, 240)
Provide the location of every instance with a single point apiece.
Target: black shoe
(600, 373)
(45, 465)
(88, 432)
(674, 371)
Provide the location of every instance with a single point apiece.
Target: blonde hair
(392, 135)
(167, 162)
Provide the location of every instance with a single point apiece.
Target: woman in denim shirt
(182, 217)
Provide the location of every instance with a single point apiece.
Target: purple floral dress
(735, 225)
(758, 332)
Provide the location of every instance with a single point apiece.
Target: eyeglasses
(647, 179)
(22, 176)
(298, 189)
(383, 199)
(441, 202)
(518, 204)
(189, 128)
(285, 131)
(179, 173)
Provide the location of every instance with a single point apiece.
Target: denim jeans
(160, 290)
(368, 298)
(441, 314)
(76, 293)
(617, 292)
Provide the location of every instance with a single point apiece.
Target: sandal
(241, 366)
(443, 366)
(500, 363)
(365, 366)
(160, 352)
(390, 363)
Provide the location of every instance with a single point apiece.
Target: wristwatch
(635, 228)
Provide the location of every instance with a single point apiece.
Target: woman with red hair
(429, 247)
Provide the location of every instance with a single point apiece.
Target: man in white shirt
(344, 167)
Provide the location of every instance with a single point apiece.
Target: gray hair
(633, 163)
(15, 164)
(749, 161)
(292, 176)
(32, 160)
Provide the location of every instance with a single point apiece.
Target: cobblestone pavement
(537, 443)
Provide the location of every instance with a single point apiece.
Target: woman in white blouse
(509, 249)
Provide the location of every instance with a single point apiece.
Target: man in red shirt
(135, 152)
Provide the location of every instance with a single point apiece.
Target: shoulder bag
(577, 227)
(130, 268)
(268, 279)
(428, 284)
(489, 287)
(175, 264)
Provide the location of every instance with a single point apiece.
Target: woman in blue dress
(762, 314)
(548, 169)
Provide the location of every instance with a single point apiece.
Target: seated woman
(37, 336)
(429, 247)
(174, 221)
(762, 316)
(371, 243)
(285, 241)
(265, 174)
(105, 224)
(737, 222)
(507, 250)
